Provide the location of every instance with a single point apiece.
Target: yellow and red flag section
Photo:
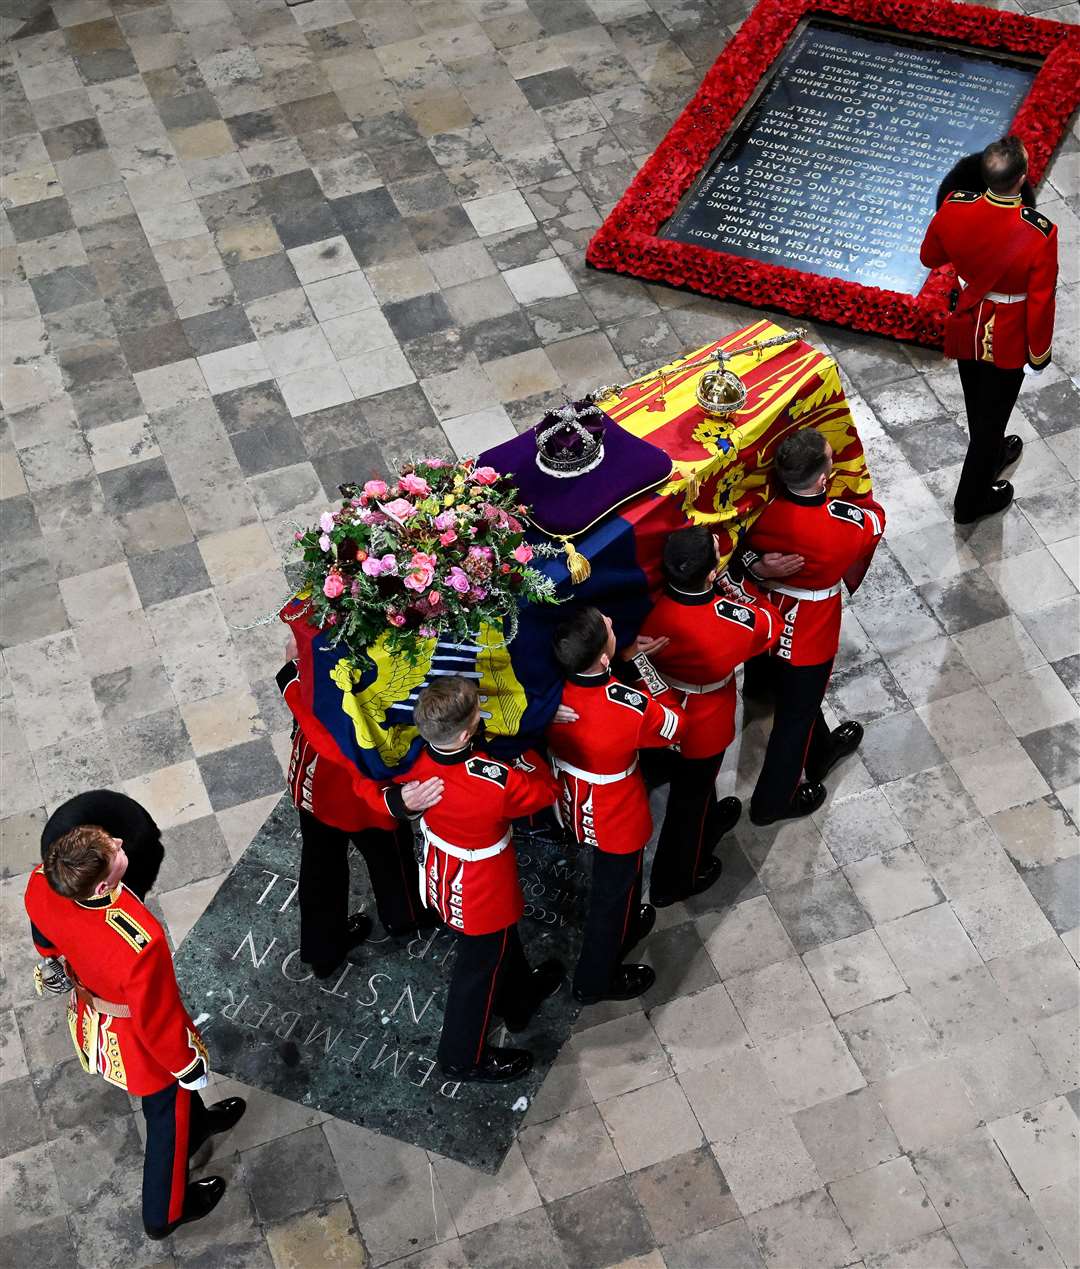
(725, 467)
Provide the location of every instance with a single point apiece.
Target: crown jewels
(570, 439)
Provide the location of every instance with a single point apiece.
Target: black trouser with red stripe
(176, 1125)
(989, 396)
(614, 900)
(490, 976)
(685, 843)
(324, 884)
(800, 736)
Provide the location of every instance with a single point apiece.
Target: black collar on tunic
(591, 680)
(690, 598)
(805, 500)
(102, 901)
(449, 758)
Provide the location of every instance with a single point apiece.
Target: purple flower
(457, 579)
(374, 567)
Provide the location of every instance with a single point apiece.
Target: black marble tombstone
(362, 1047)
(832, 169)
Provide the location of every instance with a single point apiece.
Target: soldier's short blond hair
(445, 708)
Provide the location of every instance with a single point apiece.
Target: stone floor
(250, 251)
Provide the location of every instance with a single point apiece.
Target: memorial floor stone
(362, 1045)
(834, 167)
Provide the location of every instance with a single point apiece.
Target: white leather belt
(697, 689)
(998, 297)
(459, 852)
(797, 593)
(592, 777)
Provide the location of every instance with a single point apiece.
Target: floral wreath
(436, 554)
(627, 241)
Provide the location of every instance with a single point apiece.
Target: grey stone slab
(305, 1158)
(527, 1241)
(162, 575)
(238, 774)
(148, 743)
(600, 1226)
(1056, 889)
(819, 910)
(359, 1048)
(965, 600)
(683, 1196)
(1056, 753)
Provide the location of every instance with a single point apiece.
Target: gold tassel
(693, 484)
(577, 564)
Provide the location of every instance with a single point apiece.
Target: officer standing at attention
(707, 636)
(1006, 260)
(835, 541)
(125, 1014)
(337, 805)
(470, 879)
(603, 799)
(121, 817)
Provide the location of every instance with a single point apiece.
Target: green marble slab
(362, 1048)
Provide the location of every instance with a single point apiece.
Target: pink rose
(481, 553)
(435, 462)
(446, 538)
(324, 542)
(421, 571)
(523, 553)
(399, 509)
(394, 617)
(374, 567)
(434, 598)
(334, 585)
(457, 579)
(414, 484)
(485, 475)
(326, 522)
(376, 489)
(445, 520)
(298, 536)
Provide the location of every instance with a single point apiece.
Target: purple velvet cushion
(568, 504)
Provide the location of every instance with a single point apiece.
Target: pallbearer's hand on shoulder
(422, 795)
(776, 564)
(644, 646)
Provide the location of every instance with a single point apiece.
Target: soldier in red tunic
(337, 805)
(831, 541)
(1006, 260)
(707, 636)
(470, 879)
(603, 799)
(125, 1014)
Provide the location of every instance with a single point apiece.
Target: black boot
(808, 797)
(628, 982)
(357, 928)
(1011, 449)
(496, 1066)
(843, 741)
(199, 1201)
(999, 497)
(220, 1117)
(427, 920)
(723, 818)
(706, 878)
(544, 981)
(640, 928)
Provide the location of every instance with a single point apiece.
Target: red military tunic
(837, 540)
(1011, 251)
(470, 872)
(610, 812)
(116, 949)
(709, 636)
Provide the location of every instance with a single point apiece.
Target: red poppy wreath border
(627, 241)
